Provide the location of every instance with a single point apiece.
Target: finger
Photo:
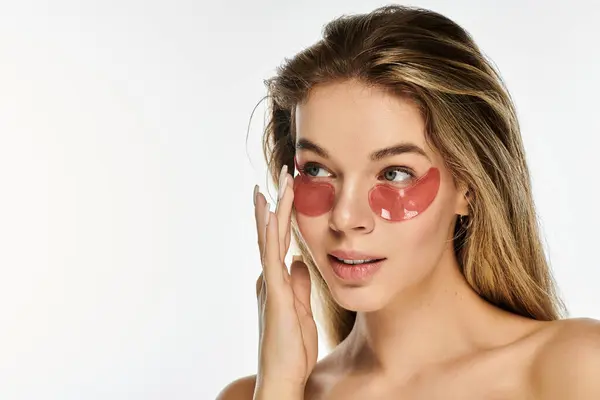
(259, 285)
(300, 279)
(272, 263)
(288, 234)
(300, 282)
(260, 205)
(284, 212)
(293, 225)
(288, 231)
(260, 299)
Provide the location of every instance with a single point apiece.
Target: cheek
(410, 240)
(421, 240)
(312, 229)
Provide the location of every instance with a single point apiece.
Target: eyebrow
(401, 148)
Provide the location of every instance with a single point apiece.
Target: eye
(311, 169)
(398, 175)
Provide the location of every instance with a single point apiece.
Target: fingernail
(267, 214)
(254, 194)
(282, 182)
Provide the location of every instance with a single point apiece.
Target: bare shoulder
(567, 364)
(240, 389)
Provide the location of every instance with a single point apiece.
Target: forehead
(351, 116)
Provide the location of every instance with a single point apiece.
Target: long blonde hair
(470, 119)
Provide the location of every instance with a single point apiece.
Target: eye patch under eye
(313, 198)
(399, 204)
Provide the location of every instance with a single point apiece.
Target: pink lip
(354, 273)
(354, 255)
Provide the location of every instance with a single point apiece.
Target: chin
(356, 296)
(359, 299)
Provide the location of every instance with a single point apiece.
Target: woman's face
(338, 129)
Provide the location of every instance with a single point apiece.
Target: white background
(127, 243)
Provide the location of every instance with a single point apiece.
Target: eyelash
(403, 169)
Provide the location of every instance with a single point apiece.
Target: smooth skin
(421, 331)
(288, 333)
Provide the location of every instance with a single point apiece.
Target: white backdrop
(127, 243)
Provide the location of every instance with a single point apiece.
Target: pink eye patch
(314, 198)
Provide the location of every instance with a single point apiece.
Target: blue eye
(311, 169)
(398, 174)
(393, 174)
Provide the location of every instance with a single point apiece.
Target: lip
(360, 273)
(354, 255)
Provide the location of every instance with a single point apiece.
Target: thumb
(300, 279)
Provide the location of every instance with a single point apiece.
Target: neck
(441, 320)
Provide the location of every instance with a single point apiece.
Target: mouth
(351, 262)
(354, 268)
(353, 257)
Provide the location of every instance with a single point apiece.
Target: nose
(351, 212)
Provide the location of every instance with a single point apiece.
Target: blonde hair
(470, 119)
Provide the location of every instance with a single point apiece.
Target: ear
(463, 199)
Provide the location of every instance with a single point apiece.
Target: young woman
(402, 177)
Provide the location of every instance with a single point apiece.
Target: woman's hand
(288, 333)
